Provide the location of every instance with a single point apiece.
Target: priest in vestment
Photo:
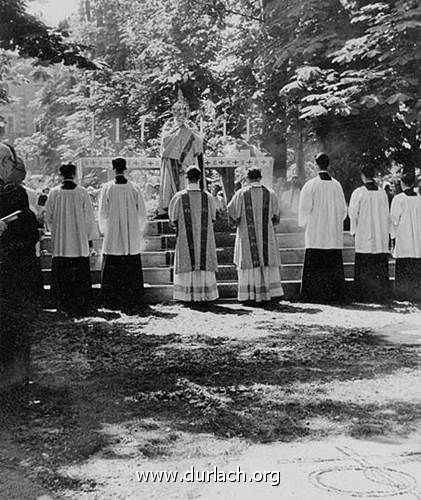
(406, 230)
(122, 216)
(370, 224)
(322, 212)
(182, 147)
(255, 210)
(193, 213)
(70, 217)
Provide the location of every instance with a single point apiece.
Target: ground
(321, 394)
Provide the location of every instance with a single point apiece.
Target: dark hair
(119, 164)
(322, 160)
(368, 171)
(254, 174)
(68, 170)
(193, 174)
(408, 179)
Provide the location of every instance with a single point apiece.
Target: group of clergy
(322, 212)
(255, 210)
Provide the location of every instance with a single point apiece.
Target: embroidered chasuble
(194, 212)
(181, 149)
(255, 209)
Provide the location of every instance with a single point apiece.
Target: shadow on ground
(103, 370)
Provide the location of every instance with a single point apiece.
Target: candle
(117, 130)
(142, 129)
(224, 128)
(248, 129)
(201, 125)
(92, 127)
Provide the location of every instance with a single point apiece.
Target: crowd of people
(379, 227)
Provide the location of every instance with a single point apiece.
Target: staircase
(158, 258)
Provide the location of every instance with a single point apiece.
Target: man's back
(70, 218)
(122, 214)
(370, 220)
(322, 212)
(406, 219)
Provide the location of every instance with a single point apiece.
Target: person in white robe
(255, 210)
(322, 212)
(406, 231)
(370, 224)
(193, 213)
(122, 217)
(70, 217)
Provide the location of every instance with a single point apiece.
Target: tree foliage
(21, 32)
(342, 75)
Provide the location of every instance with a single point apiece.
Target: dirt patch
(176, 383)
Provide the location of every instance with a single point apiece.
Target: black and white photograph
(210, 249)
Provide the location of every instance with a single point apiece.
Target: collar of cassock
(410, 192)
(68, 184)
(255, 184)
(324, 176)
(193, 186)
(120, 179)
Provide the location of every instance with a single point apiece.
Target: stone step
(158, 294)
(167, 242)
(164, 275)
(285, 240)
(225, 255)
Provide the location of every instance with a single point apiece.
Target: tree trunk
(275, 143)
(301, 171)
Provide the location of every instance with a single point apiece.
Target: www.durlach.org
(214, 475)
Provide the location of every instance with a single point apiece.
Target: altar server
(322, 212)
(370, 223)
(406, 229)
(122, 216)
(70, 216)
(255, 210)
(193, 213)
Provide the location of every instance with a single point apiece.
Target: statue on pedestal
(182, 147)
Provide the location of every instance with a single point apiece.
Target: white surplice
(70, 217)
(406, 226)
(370, 220)
(122, 217)
(322, 212)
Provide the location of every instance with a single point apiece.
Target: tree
(31, 38)
(364, 103)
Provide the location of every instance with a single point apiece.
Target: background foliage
(334, 74)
